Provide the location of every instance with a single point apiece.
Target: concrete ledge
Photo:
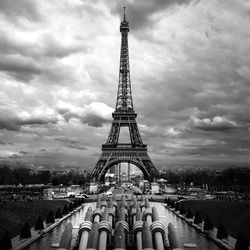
(225, 243)
(20, 244)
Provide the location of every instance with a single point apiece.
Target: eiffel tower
(124, 115)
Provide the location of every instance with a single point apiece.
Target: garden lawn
(13, 215)
(234, 215)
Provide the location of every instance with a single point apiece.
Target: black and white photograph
(124, 124)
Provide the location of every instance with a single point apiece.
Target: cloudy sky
(190, 73)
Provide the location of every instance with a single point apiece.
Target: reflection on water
(55, 235)
(186, 233)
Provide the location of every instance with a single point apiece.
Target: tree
(43, 177)
(58, 213)
(55, 181)
(50, 217)
(39, 224)
(189, 214)
(197, 218)
(6, 241)
(183, 210)
(241, 243)
(208, 225)
(25, 233)
(65, 209)
(177, 206)
(5, 175)
(168, 201)
(21, 175)
(71, 207)
(222, 233)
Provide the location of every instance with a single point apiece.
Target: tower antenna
(124, 13)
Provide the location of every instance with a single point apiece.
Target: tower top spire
(124, 14)
(124, 23)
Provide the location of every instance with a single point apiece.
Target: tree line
(230, 176)
(23, 175)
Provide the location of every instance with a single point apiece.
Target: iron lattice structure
(124, 115)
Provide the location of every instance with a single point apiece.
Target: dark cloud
(45, 156)
(20, 68)
(140, 12)
(80, 147)
(11, 121)
(19, 155)
(9, 124)
(47, 46)
(23, 152)
(25, 59)
(3, 143)
(14, 11)
(37, 121)
(15, 156)
(66, 140)
(54, 48)
(70, 143)
(26, 69)
(94, 120)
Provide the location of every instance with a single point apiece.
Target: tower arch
(116, 162)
